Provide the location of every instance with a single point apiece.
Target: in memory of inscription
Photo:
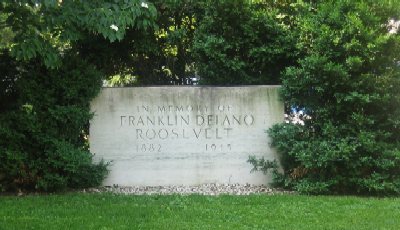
(183, 136)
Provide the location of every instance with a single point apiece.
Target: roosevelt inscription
(183, 135)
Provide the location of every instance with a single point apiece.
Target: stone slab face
(156, 136)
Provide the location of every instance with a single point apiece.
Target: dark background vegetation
(336, 62)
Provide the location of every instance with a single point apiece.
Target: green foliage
(55, 54)
(47, 82)
(121, 80)
(5, 31)
(348, 84)
(159, 55)
(239, 42)
(171, 54)
(43, 130)
(46, 29)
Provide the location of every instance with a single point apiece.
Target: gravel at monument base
(205, 189)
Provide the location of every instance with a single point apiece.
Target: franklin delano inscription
(157, 136)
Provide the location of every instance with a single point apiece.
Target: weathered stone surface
(158, 136)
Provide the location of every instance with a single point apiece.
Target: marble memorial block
(157, 136)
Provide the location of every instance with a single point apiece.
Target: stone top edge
(196, 86)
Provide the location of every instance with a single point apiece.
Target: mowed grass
(108, 211)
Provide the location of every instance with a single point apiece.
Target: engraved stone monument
(157, 136)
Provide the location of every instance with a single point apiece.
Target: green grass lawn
(107, 211)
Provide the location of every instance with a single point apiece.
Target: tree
(162, 54)
(239, 42)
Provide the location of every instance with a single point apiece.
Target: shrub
(348, 83)
(43, 131)
(52, 62)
